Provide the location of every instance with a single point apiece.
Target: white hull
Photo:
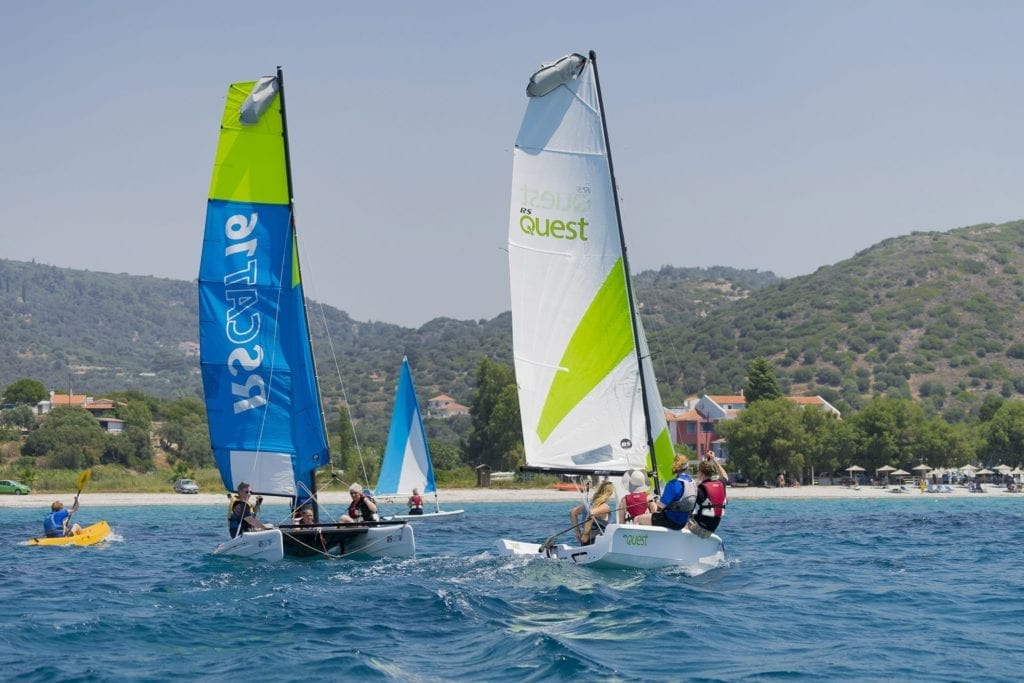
(632, 546)
(255, 545)
(383, 541)
(425, 517)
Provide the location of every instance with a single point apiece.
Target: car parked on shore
(186, 486)
(11, 486)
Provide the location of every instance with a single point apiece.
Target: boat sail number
(242, 325)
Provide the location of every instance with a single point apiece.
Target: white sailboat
(262, 396)
(407, 465)
(587, 394)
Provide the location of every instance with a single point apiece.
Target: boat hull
(631, 546)
(90, 535)
(335, 541)
(425, 517)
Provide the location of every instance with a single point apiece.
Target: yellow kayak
(90, 535)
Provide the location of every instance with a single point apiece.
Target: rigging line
(337, 370)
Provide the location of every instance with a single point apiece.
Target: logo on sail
(536, 207)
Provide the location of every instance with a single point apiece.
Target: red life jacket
(636, 504)
(714, 504)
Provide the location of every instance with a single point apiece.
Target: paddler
(55, 524)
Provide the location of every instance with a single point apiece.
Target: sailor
(711, 497)
(678, 498)
(637, 505)
(363, 507)
(242, 515)
(55, 524)
(415, 503)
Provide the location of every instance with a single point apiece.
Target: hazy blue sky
(775, 135)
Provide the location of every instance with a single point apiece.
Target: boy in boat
(711, 498)
(678, 497)
(55, 524)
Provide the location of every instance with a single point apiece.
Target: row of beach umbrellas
(970, 470)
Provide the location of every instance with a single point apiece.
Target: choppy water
(925, 589)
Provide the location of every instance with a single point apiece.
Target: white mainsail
(577, 366)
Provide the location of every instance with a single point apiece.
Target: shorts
(697, 529)
(661, 519)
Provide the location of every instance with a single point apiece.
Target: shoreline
(451, 497)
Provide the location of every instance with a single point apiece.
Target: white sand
(450, 497)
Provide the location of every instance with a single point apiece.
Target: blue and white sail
(407, 464)
(262, 398)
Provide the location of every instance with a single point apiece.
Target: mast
(298, 264)
(629, 280)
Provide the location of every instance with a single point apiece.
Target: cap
(637, 481)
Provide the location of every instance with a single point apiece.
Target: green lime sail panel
(250, 164)
(603, 338)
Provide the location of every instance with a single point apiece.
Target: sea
(928, 589)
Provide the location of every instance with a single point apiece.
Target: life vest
(415, 501)
(714, 502)
(235, 522)
(636, 504)
(53, 528)
(688, 499)
(360, 511)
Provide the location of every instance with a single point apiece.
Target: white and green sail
(575, 332)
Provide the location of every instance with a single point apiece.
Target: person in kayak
(55, 524)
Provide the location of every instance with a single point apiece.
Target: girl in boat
(597, 514)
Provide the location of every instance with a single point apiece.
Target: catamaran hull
(633, 547)
(256, 545)
(356, 542)
(425, 517)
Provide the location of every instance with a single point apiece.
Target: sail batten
(262, 400)
(581, 359)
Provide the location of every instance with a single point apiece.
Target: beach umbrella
(921, 468)
(1003, 469)
(885, 469)
(968, 469)
(899, 474)
(984, 471)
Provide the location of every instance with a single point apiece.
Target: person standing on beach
(711, 497)
(55, 524)
(678, 498)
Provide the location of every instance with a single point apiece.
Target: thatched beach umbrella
(900, 474)
(885, 470)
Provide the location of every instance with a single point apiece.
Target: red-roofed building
(694, 423)
(444, 406)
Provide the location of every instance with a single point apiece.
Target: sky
(780, 136)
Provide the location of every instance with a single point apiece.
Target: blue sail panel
(407, 464)
(262, 399)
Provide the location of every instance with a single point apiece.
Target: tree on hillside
(761, 381)
(69, 438)
(831, 441)
(1004, 434)
(25, 391)
(495, 438)
(767, 438)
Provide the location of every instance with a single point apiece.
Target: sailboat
(407, 464)
(588, 398)
(261, 391)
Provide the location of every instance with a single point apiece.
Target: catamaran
(588, 398)
(259, 378)
(407, 465)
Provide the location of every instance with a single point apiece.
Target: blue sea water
(928, 589)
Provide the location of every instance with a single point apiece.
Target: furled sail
(262, 398)
(406, 463)
(581, 395)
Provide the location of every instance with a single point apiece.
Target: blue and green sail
(259, 379)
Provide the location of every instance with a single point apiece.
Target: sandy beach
(449, 497)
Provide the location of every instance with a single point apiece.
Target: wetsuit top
(711, 502)
(238, 510)
(676, 494)
(636, 504)
(53, 523)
